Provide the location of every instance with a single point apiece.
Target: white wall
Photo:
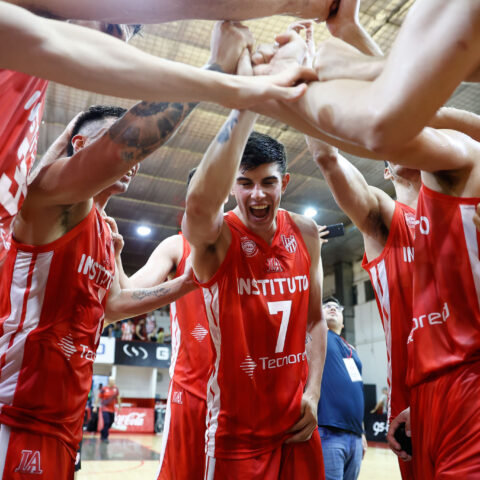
(163, 380)
(138, 382)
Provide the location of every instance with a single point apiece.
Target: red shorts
(445, 416)
(288, 462)
(27, 455)
(406, 470)
(183, 444)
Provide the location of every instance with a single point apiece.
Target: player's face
(333, 315)
(258, 193)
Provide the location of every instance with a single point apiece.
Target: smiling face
(258, 193)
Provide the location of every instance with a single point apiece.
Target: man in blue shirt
(341, 405)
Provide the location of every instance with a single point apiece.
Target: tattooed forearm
(226, 131)
(150, 292)
(308, 339)
(148, 125)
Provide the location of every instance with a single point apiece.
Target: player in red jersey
(183, 441)
(387, 227)
(258, 268)
(109, 397)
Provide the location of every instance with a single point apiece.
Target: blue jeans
(342, 454)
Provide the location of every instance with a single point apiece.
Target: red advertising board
(138, 420)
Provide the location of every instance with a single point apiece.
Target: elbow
(386, 132)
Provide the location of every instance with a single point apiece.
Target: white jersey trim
(470, 231)
(4, 443)
(166, 428)
(380, 284)
(176, 338)
(213, 389)
(27, 293)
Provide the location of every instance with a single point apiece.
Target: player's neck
(407, 193)
(101, 200)
(265, 232)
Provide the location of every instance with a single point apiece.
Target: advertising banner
(142, 354)
(106, 351)
(140, 420)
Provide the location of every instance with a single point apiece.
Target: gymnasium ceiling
(156, 195)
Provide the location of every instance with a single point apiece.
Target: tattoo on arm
(149, 292)
(148, 125)
(226, 131)
(308, 339)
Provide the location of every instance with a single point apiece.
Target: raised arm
(83, 58)
(437, 47)
(455, 119)
(202, 223)
(143, 129)
(369, 208)
(157, 11)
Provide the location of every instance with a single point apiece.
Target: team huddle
(245, 386)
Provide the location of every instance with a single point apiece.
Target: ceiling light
(310, 212)
(144, 231)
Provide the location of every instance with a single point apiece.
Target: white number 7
(284, 307)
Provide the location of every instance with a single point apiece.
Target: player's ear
(387, 174)
(285, 180)
(78, 142)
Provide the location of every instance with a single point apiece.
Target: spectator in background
(117, 330)
(109, 396)
(341, 405)
(141, 330)
(381, 406)
(151, 327)
(127, 330)
(161, 335)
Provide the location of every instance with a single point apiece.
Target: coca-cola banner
(139, 420)
(142, 354)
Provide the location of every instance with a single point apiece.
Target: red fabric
(108, 398)
(445, 416)
(183, 441)
(30, 455)
(446, 286)
(21, 109)
(192, 356)
(286, 462)
(406, 469)
(391, 274)
(256, 387)
(51, 317)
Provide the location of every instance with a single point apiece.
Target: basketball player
(183, 441)
(58, 273)
(258, 269)
(387, 227)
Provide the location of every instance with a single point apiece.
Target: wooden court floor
(135, 457)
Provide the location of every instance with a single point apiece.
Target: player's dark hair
(332, 299)
(262, 149)
(386, 164)
(191, 173)
(94, 113)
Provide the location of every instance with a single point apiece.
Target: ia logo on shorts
(30, 462)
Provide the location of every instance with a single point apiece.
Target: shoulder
(309, 231)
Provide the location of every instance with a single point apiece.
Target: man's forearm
(455, 119)
(157, 11)
(131, 302)
(358, 37)
(214, 177)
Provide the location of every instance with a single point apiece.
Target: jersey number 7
(285, 307)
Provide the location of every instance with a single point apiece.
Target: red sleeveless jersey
(257, 308)
(21, 109)
(51, 316)
(192, 355)
(446, 286)
(391, 275)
